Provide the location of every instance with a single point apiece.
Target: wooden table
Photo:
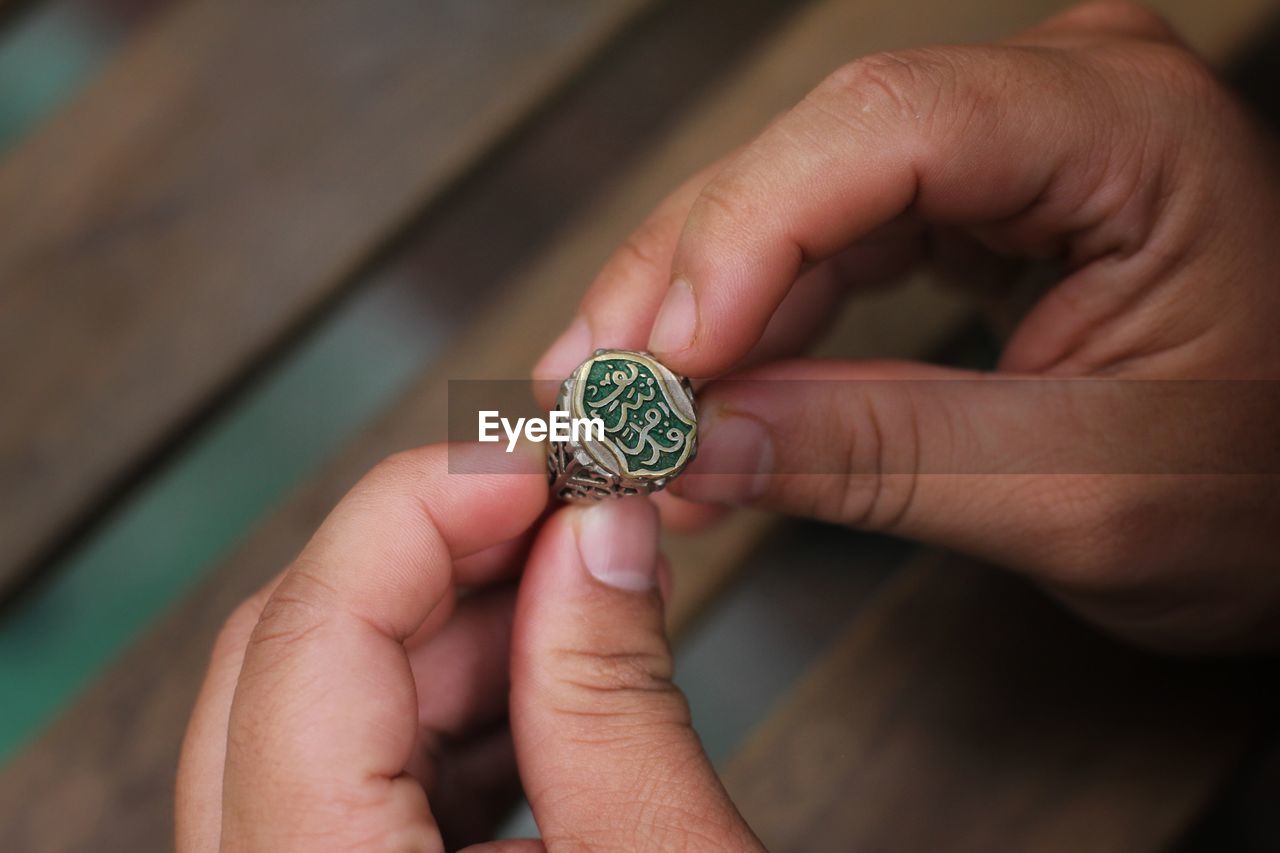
(237, 172)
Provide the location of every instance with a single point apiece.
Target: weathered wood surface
(115, 756)
(121, 737)
(963, 711)
(216, 184)
(112, 752)
(229, 171)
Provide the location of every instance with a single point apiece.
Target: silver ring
(650, 428)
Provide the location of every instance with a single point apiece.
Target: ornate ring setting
(650, 428)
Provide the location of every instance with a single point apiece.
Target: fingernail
(569, 350)
(734, 463)
(618, 541)
(677, 319)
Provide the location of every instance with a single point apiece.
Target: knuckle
(901, 84)
(631, 684)
(235, 632)
(1186, 74)
(643, 251)
(294, 611)
(1170, 67)
(622, 671)
(1173, 80)
(1124, 15)
(395, 485)
(878, 487)
(728, 198)
(1094, 527)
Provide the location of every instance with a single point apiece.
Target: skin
(1096, 140)
(386, 689)
(359, 703)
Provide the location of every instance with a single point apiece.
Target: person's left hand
(357, 703)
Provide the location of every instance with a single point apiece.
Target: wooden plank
(112, 753)
(122, 737)
(218, 182)
(965, 712)
(117, 761)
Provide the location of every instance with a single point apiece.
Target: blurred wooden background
(231, 179)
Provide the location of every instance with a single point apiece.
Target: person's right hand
(1096, 138)
(360, 702)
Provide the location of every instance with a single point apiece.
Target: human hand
(1097, 139)
(357, 703)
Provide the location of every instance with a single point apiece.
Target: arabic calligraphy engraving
(639, 420)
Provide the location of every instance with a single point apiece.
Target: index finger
(324, 719)
(1022, 141)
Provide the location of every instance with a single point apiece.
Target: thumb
(607, 754)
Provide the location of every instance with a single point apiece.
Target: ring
(645, 428)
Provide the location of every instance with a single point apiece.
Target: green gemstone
(640, 421)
